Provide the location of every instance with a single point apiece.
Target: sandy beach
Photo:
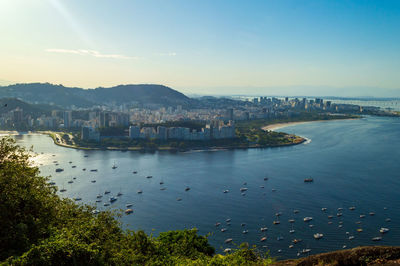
(274, 127)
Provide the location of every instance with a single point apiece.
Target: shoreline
(270, 127)
(274, 127)
(171, 149)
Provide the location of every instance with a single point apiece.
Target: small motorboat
(107, 192)
(265, 178)
(351, 237)
(295, 241)
(371, 213)
(226, 191)
(276, 222)
(163, 188)
(93, 181)
(93, 170)
(352, 208)
(307, 219)
(149, 176)
(339, 214)
(243, 224)
(134, 172)
(187, 188)
(178, 199)
(161, 182)
(378, 238)
(128, 211)
(295, 211)
(227, 250)
(78, 199)
(245, 231)
(74, 166)
(278, 214)
(306, 250)
(291, 221)
(362, 215)
(84, 169)
(217, 224)
(323, 209)
(359, 230)
(279, 238)
(263, 229)
(99, 196)
(58, 170)
(95, 212)
(388, 220)
(263, 239)
(106, 204)
(139, 191)
(229, 240)
(128, 205)
(243, 189)
(112, 199)
(114, 166)
(119, 194)
(228, 220)
(383, 230)
(223, 230)
(330, 216)
(292, 231)
(70, 182)
(52, 183)
(291, 246)
(63, 190)
(339, 209)
(308, 180)
(69, 162)
(311, 226)
(99, 200)
(318, 236)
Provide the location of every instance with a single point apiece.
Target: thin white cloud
(166, 54)
(89, 53)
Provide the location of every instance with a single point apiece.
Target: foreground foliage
(40, 228)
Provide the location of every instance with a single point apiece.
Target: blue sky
(216, 47)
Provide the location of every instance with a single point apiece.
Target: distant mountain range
(65, 97)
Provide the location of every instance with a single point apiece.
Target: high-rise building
(229, 114)
(67, 119)
(134, 132)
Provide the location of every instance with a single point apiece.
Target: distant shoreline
(274, 127)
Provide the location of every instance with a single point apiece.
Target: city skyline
(269, 48)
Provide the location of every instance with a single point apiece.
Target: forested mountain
(46, 93)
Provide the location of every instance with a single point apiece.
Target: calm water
(353, 163)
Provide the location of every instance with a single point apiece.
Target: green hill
(9, 104)
(46, 93)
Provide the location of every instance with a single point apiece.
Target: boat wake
(308, 141)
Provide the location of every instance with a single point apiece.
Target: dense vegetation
(40, 228)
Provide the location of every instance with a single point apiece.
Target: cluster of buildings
(221, 111)
(215, 130)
